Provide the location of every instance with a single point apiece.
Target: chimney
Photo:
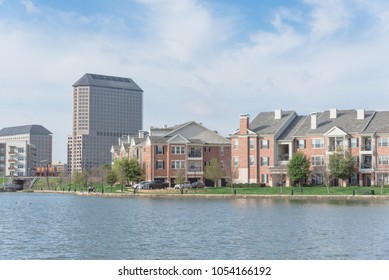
(141, 134)
(360, 114)
(278, 114)
(313, 121)
(244, 123)
(333, 113)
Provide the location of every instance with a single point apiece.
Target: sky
(196, 60)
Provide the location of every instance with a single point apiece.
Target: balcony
(195, 170)
(366, 148)
(195, 154)
(283, 157)
(366, 165)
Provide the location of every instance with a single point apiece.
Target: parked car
(156, 184)
(197, 184)
(136, 186)
(144, 185)
(183, 186)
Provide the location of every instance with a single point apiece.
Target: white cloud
(328, 17)
(189, 69)
(29, 6)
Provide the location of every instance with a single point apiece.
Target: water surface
(60, 226)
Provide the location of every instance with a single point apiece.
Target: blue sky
(200, 60)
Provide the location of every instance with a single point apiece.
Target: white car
(186, 184)
(139, 185)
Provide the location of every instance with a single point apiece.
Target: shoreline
(222, 196)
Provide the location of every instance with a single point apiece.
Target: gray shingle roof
(345, 120)
(290, 131)
(107, 82)
(32, 129)
(265, 122)
(379, 123)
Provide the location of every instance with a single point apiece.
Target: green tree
(80, 179)
(180, 177)
(214, 171)
(341, 165)
(298, 167)
(128, 170)
(111, 178)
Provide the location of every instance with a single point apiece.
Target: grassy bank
(55, 184)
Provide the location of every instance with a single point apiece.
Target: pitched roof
(193, 132)
(32, 129)
(266, 123)
(345, 120)
(107, 82)
(379, 123)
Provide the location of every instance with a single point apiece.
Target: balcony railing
(366, 148)
(366, 165)
(196, 154)
(195, 169)
(283, 158)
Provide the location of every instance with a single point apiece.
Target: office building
(104, 108)
(36, 135)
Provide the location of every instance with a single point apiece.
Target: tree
(111, 178)
(341, 165)
(128, 170)
(180, 177)
(214, 171)
(80, 179)
(298, 167)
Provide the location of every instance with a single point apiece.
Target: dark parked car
(197, 185)
(156, 184)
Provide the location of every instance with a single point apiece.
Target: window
(207, 149)
(159, 150)
(222, 164)
(317, 143)
(20, 166)
(159, 164)
(264, 178)
(236, 161)
(383, 159)
(317, 179)
(264, 161)
(317, 160)
(177, 150)
(383, 142)
(265, 144)
(354, 179)
(222, 150)
(301, 144)
(236, 144)
(354, 142)
(20, 150)
(251, 143)
(178, 164)
(251, 160)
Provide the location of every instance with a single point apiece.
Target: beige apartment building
(262, 148)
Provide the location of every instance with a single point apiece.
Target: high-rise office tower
(104, 109)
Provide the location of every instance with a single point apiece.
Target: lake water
(60, 226)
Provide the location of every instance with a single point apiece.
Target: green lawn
(54, 184)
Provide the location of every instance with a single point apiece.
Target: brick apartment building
(168, 151)
(262, 148)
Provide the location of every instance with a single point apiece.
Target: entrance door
(367, 180)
